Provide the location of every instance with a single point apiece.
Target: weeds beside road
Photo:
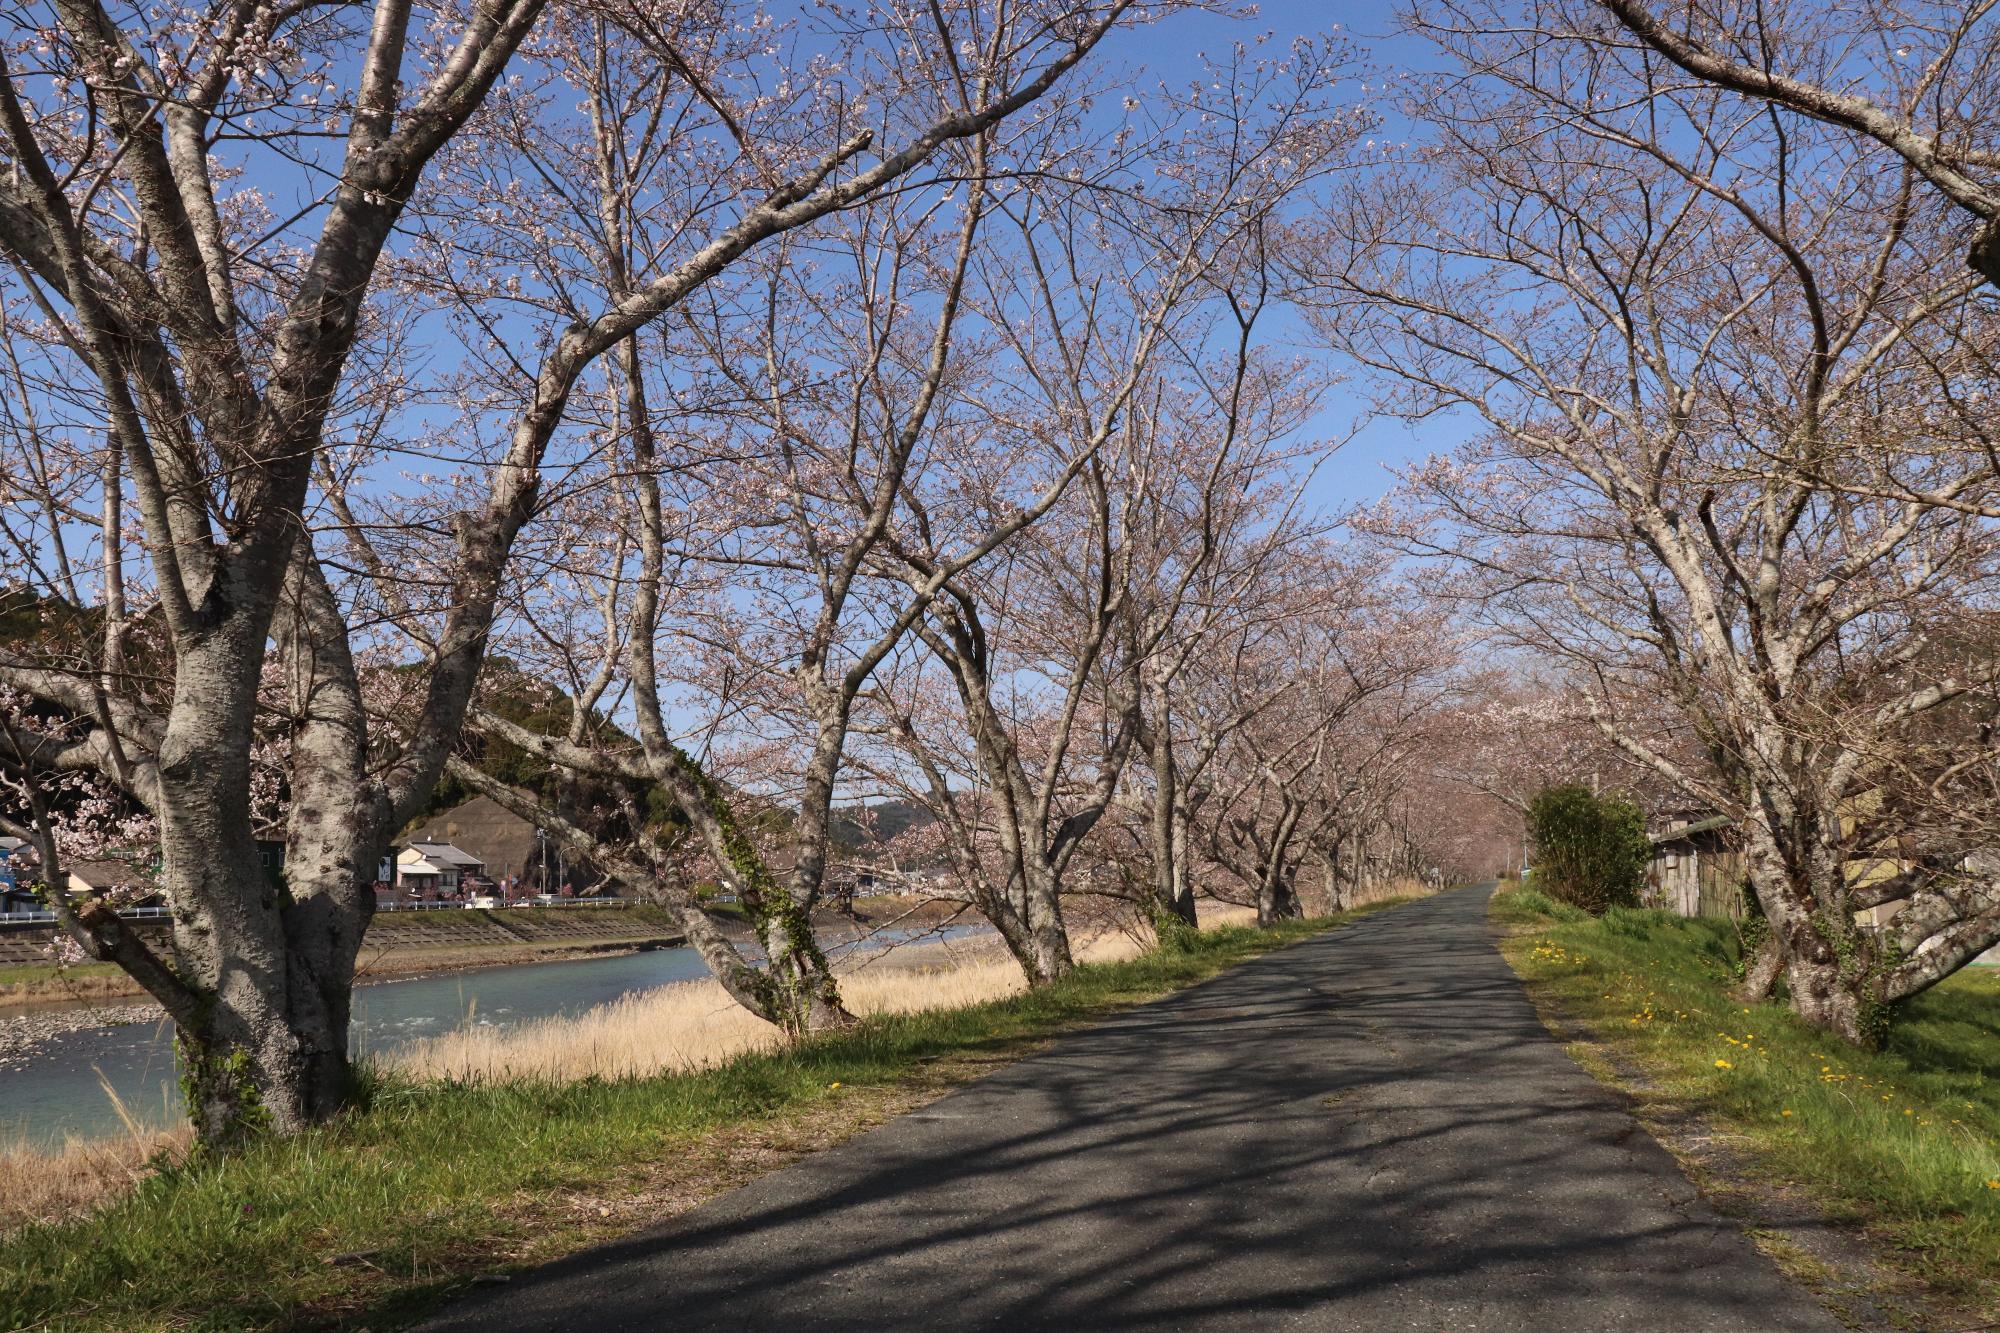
(1902, 1143)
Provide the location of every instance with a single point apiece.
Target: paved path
(1367, 1131)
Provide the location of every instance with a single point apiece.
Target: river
(61, 1091)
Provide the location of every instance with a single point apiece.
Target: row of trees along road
(265, 258)
(909, 401)
(756, 389)
(1738, 469)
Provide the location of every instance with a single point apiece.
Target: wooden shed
(1697, 868)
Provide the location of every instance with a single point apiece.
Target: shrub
(1591, 851)
(1537, 903)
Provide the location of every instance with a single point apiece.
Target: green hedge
(1591, 851)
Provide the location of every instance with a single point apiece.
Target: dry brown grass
(1387, 889)
(695, 1025)
(42, 985)
(38, 1184)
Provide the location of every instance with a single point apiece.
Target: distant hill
(889, 819)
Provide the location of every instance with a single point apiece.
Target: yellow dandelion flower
(1724, 1064)
(1786, 1111)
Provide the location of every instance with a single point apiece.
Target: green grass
(1904, 1140)
(30, 972)
(431, 1184)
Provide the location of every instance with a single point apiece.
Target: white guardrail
(496, 905)
(160, 913)
(129, 913)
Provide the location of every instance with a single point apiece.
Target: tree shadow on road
(1369, 1130)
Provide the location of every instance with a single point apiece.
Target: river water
(61, 1091)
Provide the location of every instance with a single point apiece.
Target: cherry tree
(956, 358)
(828, 420)
(1919, 80)
(1215, 576)
(1039, 646)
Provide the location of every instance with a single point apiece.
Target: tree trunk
(810, 824)
(787, 994)
(1277, 895)
(1049, 936)
(250, 1067)
(1180, 900)
(264, 1043)
(1030, 924)
(796, 957)
(808, 997)
(1168, 921)
(1761, 970)
(1826, 995)
(1043, 954)
(1830, 961)
(1336, 895)
(261, 1045)
(1984, 257)
(1277, 900)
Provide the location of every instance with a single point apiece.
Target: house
(133, 878)
(509, 847)
(905, 881)
(505, 843)
(434, 867)
(97, 878)
(271, 856)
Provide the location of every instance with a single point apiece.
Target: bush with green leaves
(1591, 851)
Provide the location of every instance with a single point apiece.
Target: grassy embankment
(375, 1219)
(1904, 1142)
(41, 981)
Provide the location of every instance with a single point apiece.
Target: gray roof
(1709, 825)
(443, 853)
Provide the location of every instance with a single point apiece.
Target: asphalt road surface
(1369, 1130)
